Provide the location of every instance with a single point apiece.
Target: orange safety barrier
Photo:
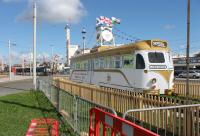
(43, 127)
(116, 124)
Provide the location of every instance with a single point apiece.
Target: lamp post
(9, 57)
(83, 37)
(30, 62)
(34, 45)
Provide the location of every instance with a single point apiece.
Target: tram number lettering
(159, 44)
(157, 67)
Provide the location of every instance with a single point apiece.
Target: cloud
(54, 11)
(169, 26)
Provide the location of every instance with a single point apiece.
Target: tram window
(78, 65)
(112, 62)
(140, 62)
(106, 62)
(156, 57)
(117, 62)
(128, 61)
(85, 65)
(101, 62)
(96, 63)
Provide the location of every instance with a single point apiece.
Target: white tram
(141, 66)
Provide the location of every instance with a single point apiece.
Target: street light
(9, 53)
(34, 44)
(30, 62)
(83, 37)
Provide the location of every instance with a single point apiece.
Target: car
(192, 74)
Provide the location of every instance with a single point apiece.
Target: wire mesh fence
(73, 108)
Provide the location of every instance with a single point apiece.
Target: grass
(17, 111)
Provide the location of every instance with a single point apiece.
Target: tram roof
(123, 49)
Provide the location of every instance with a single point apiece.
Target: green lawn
(17, 110)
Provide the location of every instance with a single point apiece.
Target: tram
(143, 65)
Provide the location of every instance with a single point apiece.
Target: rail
(182, 120)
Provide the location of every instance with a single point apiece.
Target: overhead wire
(125, 35)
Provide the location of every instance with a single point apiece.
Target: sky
(143, 19)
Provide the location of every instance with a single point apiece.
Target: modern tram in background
(40, 71)
(144, 65)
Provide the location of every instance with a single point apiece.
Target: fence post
(188, 121)
(75, 114)
(38, 85)
(58, 99)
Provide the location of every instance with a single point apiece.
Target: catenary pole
(188, 115)
(30, 62)
(34, 45)
(188, 48)
(9, 55)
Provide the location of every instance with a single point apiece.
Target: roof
(117, 50)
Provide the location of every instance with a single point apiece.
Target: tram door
(139, 71)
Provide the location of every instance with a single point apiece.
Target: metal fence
(73, 108)
(181, 120)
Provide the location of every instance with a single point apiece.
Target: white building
(72, 50)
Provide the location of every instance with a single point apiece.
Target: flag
(99, 22)
(115, 20)
(105, 20)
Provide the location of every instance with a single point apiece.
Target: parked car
(192, 74)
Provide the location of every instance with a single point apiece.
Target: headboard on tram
(155, 44)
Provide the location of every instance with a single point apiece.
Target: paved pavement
(15, 85)
(13, 78)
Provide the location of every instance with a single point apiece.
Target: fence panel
(194, 88)
(164, 122)
(170, 121)
(73, 108)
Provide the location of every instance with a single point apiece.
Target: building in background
(180, 64)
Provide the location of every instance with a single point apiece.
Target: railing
(181, 120)
(119, 100)
(164, 122)
(194, 88)
(73, 108)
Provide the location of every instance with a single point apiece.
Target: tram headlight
(154, 80)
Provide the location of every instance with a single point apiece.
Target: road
(15, 87)
(19, 86)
